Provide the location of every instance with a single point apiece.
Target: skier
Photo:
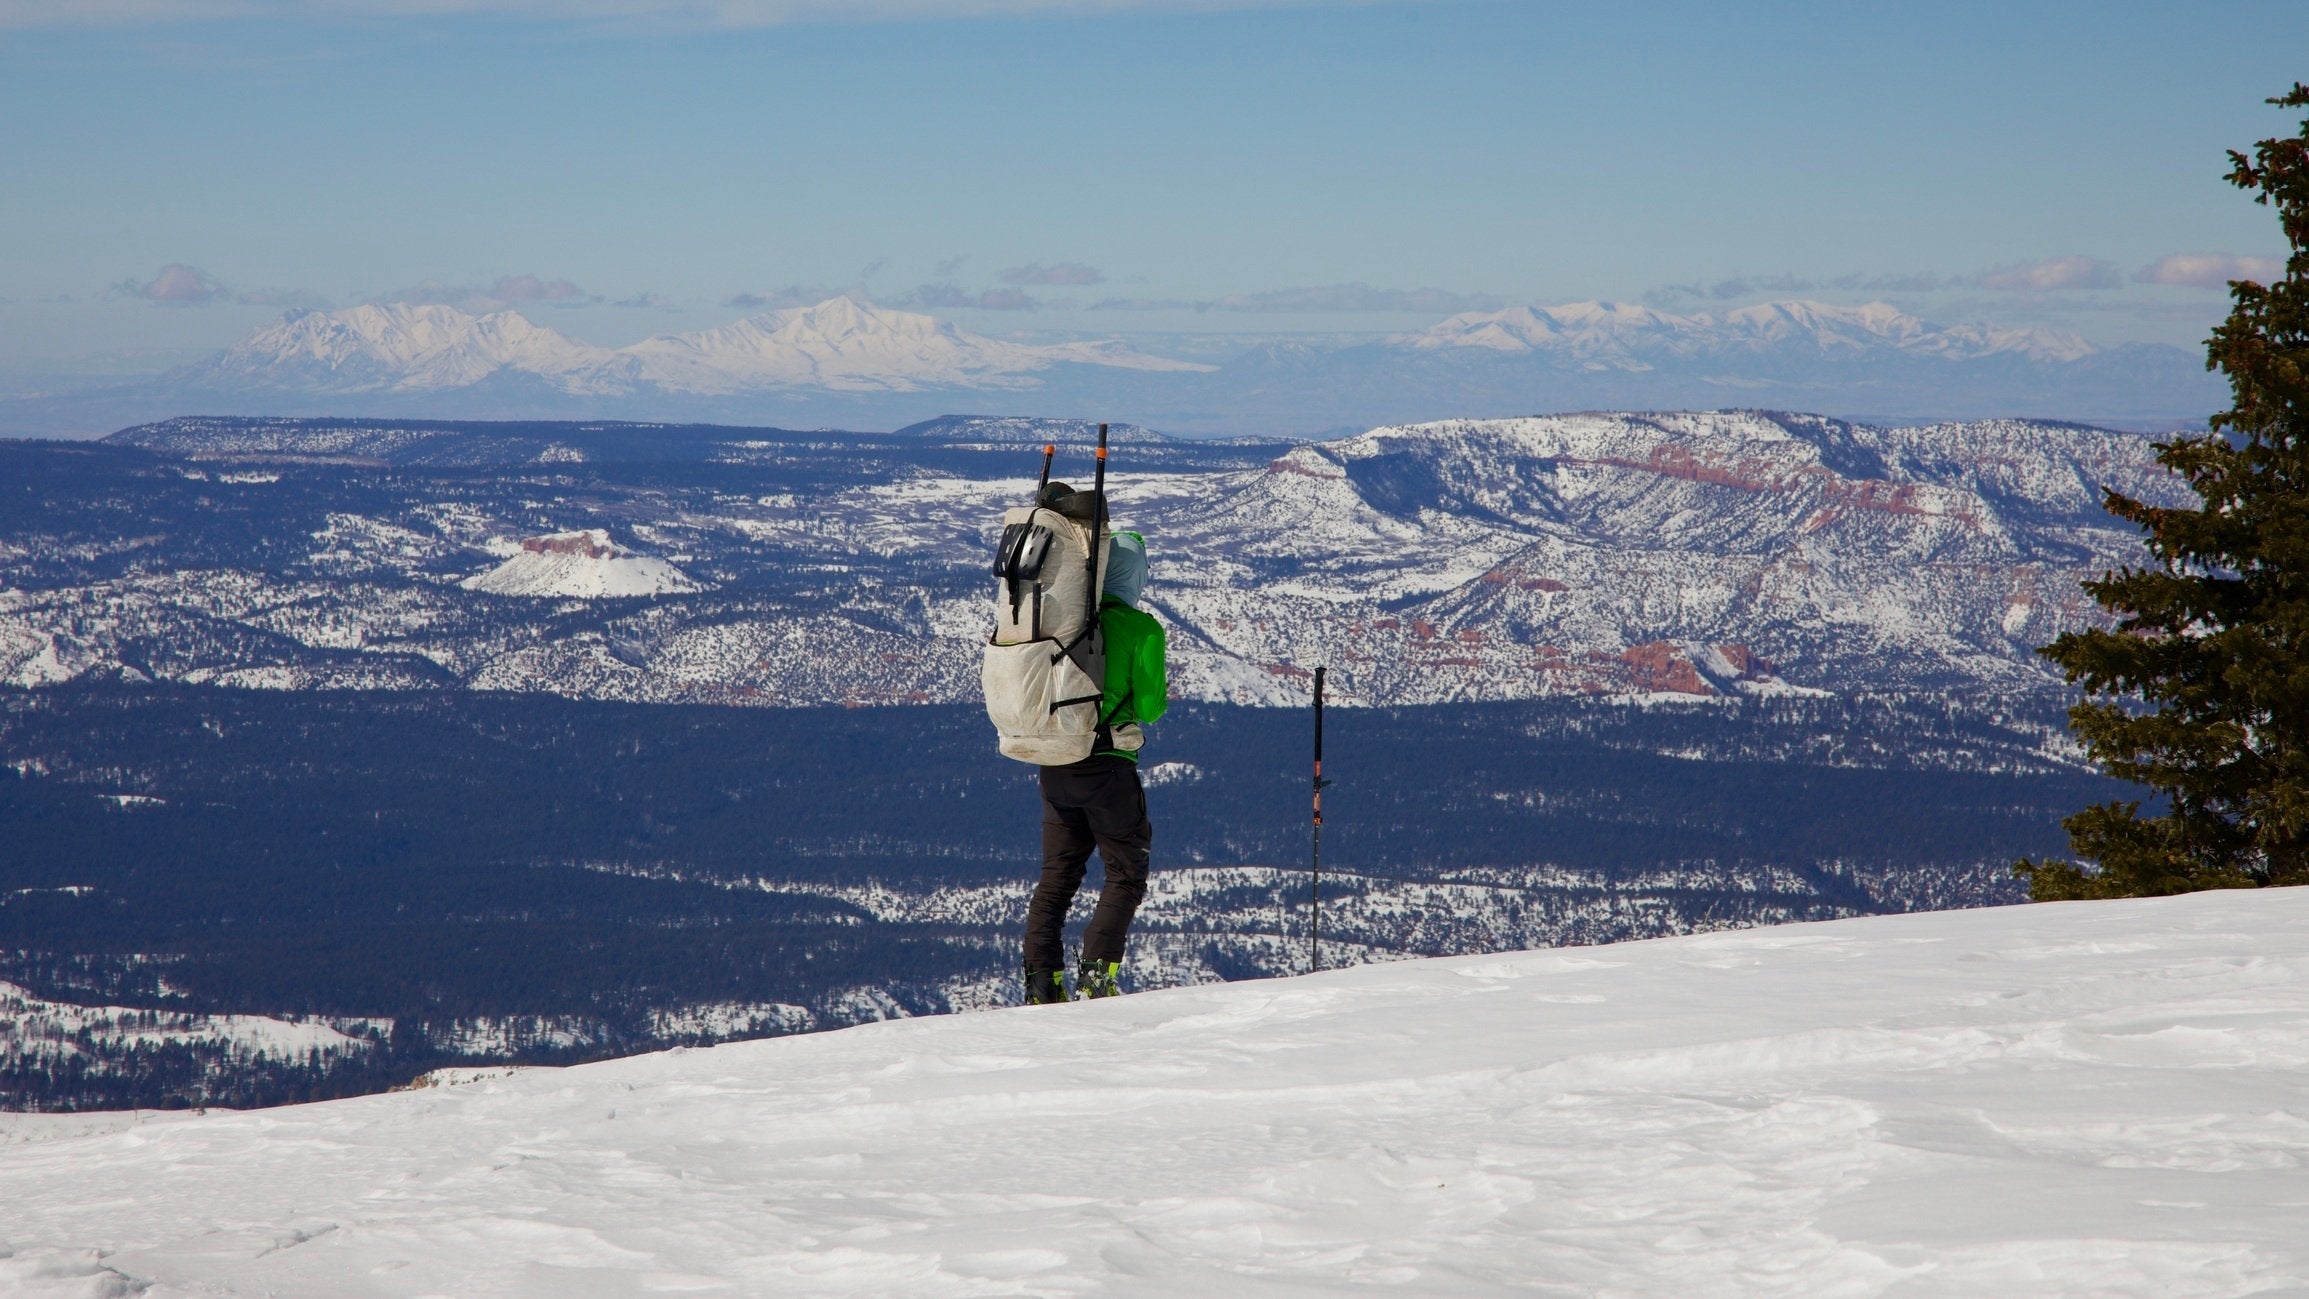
(1098, 801)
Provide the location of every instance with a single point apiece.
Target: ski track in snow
(2079, 1099)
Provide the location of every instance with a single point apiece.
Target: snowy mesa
(2072, 1099)
(584, 565)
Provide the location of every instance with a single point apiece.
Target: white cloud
(101, 13)
(508, 291)
(2075, 271)
(1745, 286)
(694, 13)
(2209, 270)
(299, 299)
(792, 295)
(1055, 273)
(1320, 298)
(521, 289)
(946, 297)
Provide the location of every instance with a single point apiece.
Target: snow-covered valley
(2075, 1099)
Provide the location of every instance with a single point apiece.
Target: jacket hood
(1126, 568)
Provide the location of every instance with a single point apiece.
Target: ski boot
(1045, 987)
(1099, 978)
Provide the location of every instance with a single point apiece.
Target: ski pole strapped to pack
(1045, 666)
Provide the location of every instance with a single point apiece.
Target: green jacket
(1137, 681)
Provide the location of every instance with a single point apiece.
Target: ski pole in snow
(1314, 882)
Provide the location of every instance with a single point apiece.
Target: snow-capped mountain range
(1617, 336)
(396, 346)
(843, 363)
(843, 345)
(839, 345)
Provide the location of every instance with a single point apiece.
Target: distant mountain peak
(1624, 336)
(396, 345)
(1068, 434)
(844, 315)
(846, 362)
(841, 345)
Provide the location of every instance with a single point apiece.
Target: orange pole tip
(1101, 453)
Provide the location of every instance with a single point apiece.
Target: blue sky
(181, 170)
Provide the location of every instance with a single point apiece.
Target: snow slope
(2102, 1099)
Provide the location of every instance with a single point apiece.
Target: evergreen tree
(2201, 691)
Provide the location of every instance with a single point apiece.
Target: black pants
(1097, 802)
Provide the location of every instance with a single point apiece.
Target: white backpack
(1045, 664)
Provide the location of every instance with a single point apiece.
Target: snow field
(2077, 1099)
(33, 1026)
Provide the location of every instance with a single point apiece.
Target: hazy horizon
(1043, 169)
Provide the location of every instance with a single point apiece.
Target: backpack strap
(1081, 650)
(1120, 706)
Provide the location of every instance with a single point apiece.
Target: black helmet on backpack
(1080, 506)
